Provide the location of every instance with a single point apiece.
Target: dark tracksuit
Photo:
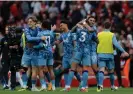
(5, 61)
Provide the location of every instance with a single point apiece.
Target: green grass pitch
(91, 90)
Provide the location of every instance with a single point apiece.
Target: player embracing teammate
(82, 45)
(92, 50)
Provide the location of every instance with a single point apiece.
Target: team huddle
(82, 45)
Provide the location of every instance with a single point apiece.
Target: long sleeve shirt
(31, 34)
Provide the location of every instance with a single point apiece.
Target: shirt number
(82, 38)
(47, 41)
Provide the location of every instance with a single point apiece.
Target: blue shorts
(81, 57)
(45, 58)
(106, 63)
(41, 61)
(49, 62)
(48, 58)
(93, 58)
(29, 60)
(45, 62)
(66, 63)
(41, 58)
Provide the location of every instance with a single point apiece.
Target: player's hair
(107, 25)
(65, 22)
(32, 18)
(46, 24)
(90, 17)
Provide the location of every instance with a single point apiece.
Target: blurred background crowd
(120, 13)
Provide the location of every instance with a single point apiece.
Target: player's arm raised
(78, 25)
(74, 29)
(53, 28)
(90, 29)
(59, 40)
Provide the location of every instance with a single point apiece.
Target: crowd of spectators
(119, 12)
